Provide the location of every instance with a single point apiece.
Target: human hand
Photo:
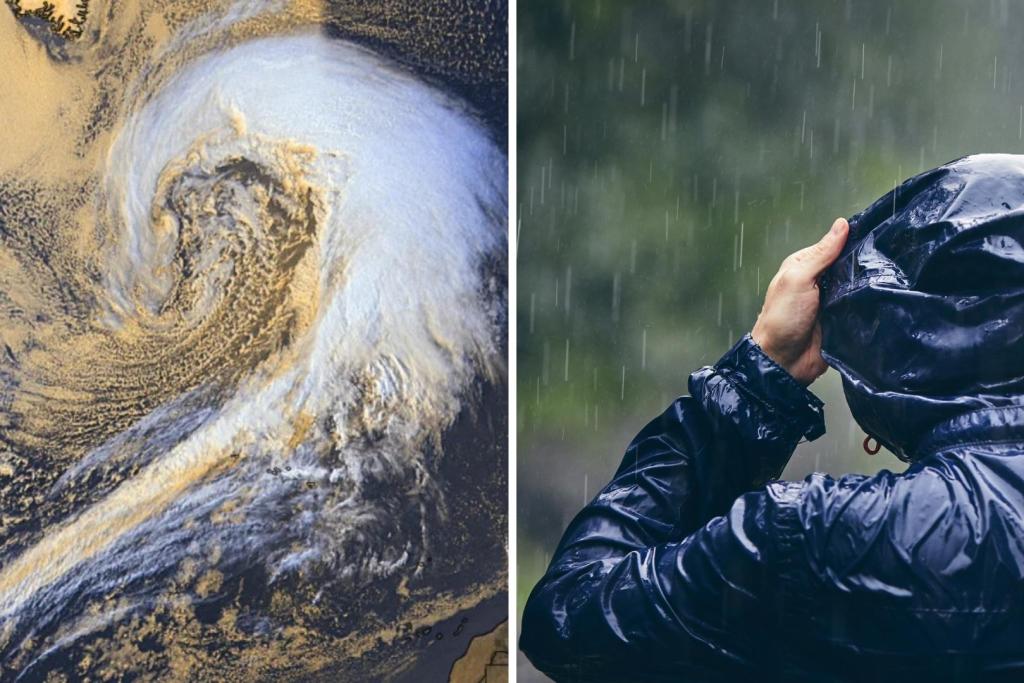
(787, 328)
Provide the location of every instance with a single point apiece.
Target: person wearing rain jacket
(695, 563)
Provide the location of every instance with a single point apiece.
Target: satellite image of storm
(253, 340)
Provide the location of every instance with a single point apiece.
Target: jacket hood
(923, 312)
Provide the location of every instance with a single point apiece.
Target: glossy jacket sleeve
(671, 564)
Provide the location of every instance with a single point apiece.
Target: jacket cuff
(767, 383)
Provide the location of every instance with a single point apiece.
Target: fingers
(808, 263)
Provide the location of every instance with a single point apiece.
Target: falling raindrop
(740, 260)
(533, 311)
(566, 376)
(707, 49)
(568, 289)
(643, 351)
(616, 296)
(817, 45)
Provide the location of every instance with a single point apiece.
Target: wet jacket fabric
(695, 563)
(923, 312)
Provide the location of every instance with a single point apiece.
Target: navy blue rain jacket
(694, 563)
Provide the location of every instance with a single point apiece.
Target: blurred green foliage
(671, 154)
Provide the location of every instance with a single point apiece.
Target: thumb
(812, 260)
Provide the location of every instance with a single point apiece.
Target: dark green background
(656, 138)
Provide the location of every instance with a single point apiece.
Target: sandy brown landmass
(66, 17)
(486, 659)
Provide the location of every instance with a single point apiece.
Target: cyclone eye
(238, 234)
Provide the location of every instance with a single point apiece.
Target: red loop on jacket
(868, 449)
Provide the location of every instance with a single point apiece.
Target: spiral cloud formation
(299, 246)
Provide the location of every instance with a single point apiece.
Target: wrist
(763, 342)
(761, 376)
